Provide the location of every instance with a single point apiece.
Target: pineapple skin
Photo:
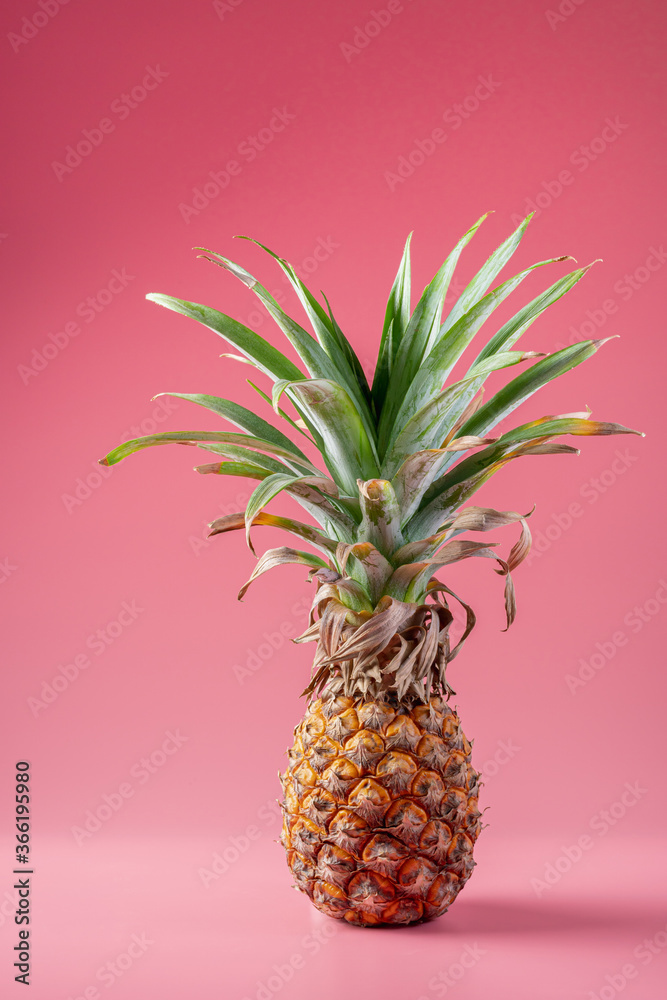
(380, 809)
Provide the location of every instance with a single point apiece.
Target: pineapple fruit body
(380, 809)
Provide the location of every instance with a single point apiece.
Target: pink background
(553, 82)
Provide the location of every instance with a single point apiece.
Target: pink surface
(330, 139)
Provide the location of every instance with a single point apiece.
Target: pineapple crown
(402, 455)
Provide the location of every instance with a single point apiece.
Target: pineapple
(380, 798)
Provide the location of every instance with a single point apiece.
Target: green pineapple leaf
(414, 344)
(438, 418)
(243, 446)
(241, 417)
(329, 334)
(317, 538)
(448, 349)
(267, 358)
(537, 430)
(510, 332)
(524, 385)
(280, 557)
(253, 452)
(267, 490)
(484, 278)
(396, 319)
(316, 359)
(348, 451)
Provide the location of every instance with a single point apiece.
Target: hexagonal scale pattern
(380, 809)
